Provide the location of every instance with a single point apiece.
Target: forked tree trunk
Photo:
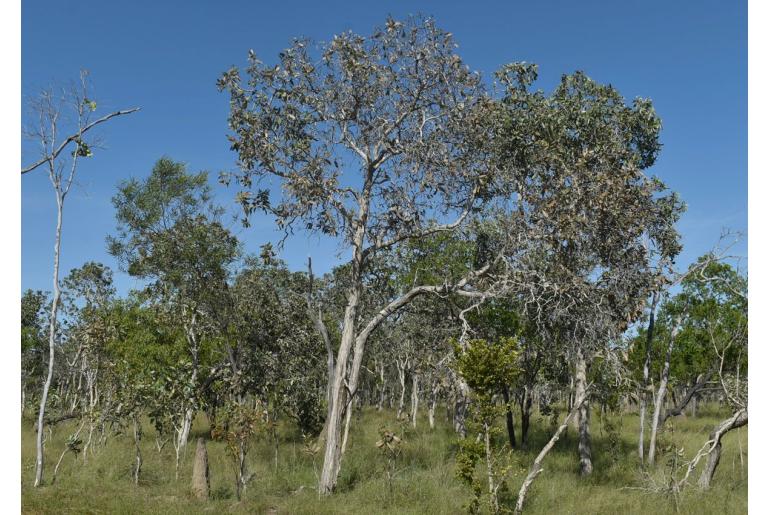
(348, 415)
(333, 446)
(584, 414)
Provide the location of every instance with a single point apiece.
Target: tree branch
(74, 137)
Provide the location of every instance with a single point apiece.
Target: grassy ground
(425, 483)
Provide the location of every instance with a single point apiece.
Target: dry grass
(425, 482)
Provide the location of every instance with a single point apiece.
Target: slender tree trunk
(509, 418)
(138, 450)
(64, 453)
(661, 395)
(525, 406)
(432, 407)
(584, 414)
(348, 415)
(415, 397)
(381, 400)
(643, 394)
(402, 381)
(39, 462)
(490, 473)
(460, 406)
(537, 465)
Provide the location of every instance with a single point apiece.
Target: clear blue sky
(165, 56)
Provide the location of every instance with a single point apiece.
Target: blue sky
(689, 57)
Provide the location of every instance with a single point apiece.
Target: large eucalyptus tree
(374, 140)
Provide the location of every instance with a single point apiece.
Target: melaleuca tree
(169, 235)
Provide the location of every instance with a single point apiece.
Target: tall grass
(424, 482)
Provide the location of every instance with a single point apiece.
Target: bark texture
(584, 414)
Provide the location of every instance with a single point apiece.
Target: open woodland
(510, 330)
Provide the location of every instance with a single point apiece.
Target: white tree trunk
(537, 466)
(659, 398)
(415, 397)
(333, 448)
(645, 391)
(432, 406)
(39, 462)
(401, 366)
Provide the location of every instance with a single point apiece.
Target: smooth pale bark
(348, 415)
(537, 465)
(462, 391)
(137, 469)
(432, 407)
(333, 449)
(584, 415)
(315, 316)
(415, 398)
(659, 398)
(646, 387)
(381, 400)
(64, 453)
(345, 381)
(401, 367)
(39, 461)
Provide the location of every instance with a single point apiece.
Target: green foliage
(487, 366)
(33, 319)
(469, 454)
(712, 309)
